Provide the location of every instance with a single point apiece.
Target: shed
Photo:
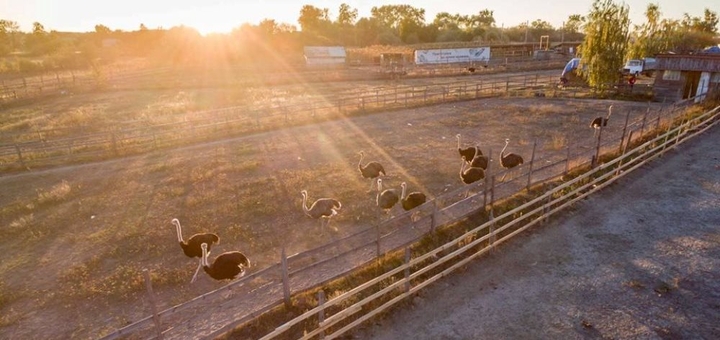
(324, 56)
(682, 76)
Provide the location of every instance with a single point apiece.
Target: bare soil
(640, 260)
(73, 257)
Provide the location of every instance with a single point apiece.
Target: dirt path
(639, 260)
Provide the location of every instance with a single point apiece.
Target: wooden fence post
(20, 157)
(567, 161)
(488, 173)
(491, 230)
(114, 143)
(622, 138)
(321, 313)
(642, 129)
(433, 216)
(532, 160)
(286, 279)
(407, 269)
(622, 153)
(151, 299)
(378, 236)
(596, 158)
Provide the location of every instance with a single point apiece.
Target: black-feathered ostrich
(386, 199)
(412, 200)
(480, 161)
(600, 121)
(470, 175)
(371, 170)
(468, 152)
(322, 208)
(226, 266)
(191, 248)
(510, 160)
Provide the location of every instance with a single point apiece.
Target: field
(638, 260)
(77, 238)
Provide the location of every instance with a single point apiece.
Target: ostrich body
(469, 152)
(191, 248)
(226, 266)
(471, 174)
(480, 161)
(412, 200)
(386, 199)
(323, 208)
(600, 121)
(371, 170)
(510, 160)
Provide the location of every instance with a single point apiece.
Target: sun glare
(224, 17)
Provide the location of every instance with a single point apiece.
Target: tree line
(273, 43)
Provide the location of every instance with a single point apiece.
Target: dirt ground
(77, 258)
(639, 260)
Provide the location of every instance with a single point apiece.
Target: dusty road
(639, 260)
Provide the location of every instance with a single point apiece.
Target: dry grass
(95, 227)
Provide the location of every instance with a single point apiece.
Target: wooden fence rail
(263, 289)
(39, 149)
(535, 211)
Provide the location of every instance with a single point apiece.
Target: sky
(221, 16)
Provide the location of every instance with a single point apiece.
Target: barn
(682, 76)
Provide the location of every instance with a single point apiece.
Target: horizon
(217, 16)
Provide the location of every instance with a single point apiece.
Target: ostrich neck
(458, 139)
(402, 195)
(179, 232)
(360, 162)
(305, 208)
(503, 150)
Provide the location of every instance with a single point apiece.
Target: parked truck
(637, 67)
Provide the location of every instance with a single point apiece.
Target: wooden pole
(642, 129)
(596, 159)
(433, 216)
(532, 160)
(491, 230)
(377, 237)
(567, 161)
(622, 138)
(407, 269)
(321, 313)
(20, 157)
(153, 306)
(285, 278)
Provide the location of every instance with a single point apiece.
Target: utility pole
(527, 25)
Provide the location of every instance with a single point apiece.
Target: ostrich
(412, 200)
(191, 248)
(323, 208)
(600, 121)
(227, 266)
(471, 174)
(386, 199)
(510, 160)
(480, 161)
(370, 170)
(468, 152)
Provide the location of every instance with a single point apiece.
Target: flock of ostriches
(231, 265)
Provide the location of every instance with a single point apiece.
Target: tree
(312, 18)
(603, 49)
(346, 15)
(9, 31)
(102, 29)
(574, 23)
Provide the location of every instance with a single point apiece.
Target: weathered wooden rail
(250, 296)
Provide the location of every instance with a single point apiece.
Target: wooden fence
(46, 148)
(220, 311)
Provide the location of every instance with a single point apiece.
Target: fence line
(264, 289)
(641, 154)
(44, 151)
